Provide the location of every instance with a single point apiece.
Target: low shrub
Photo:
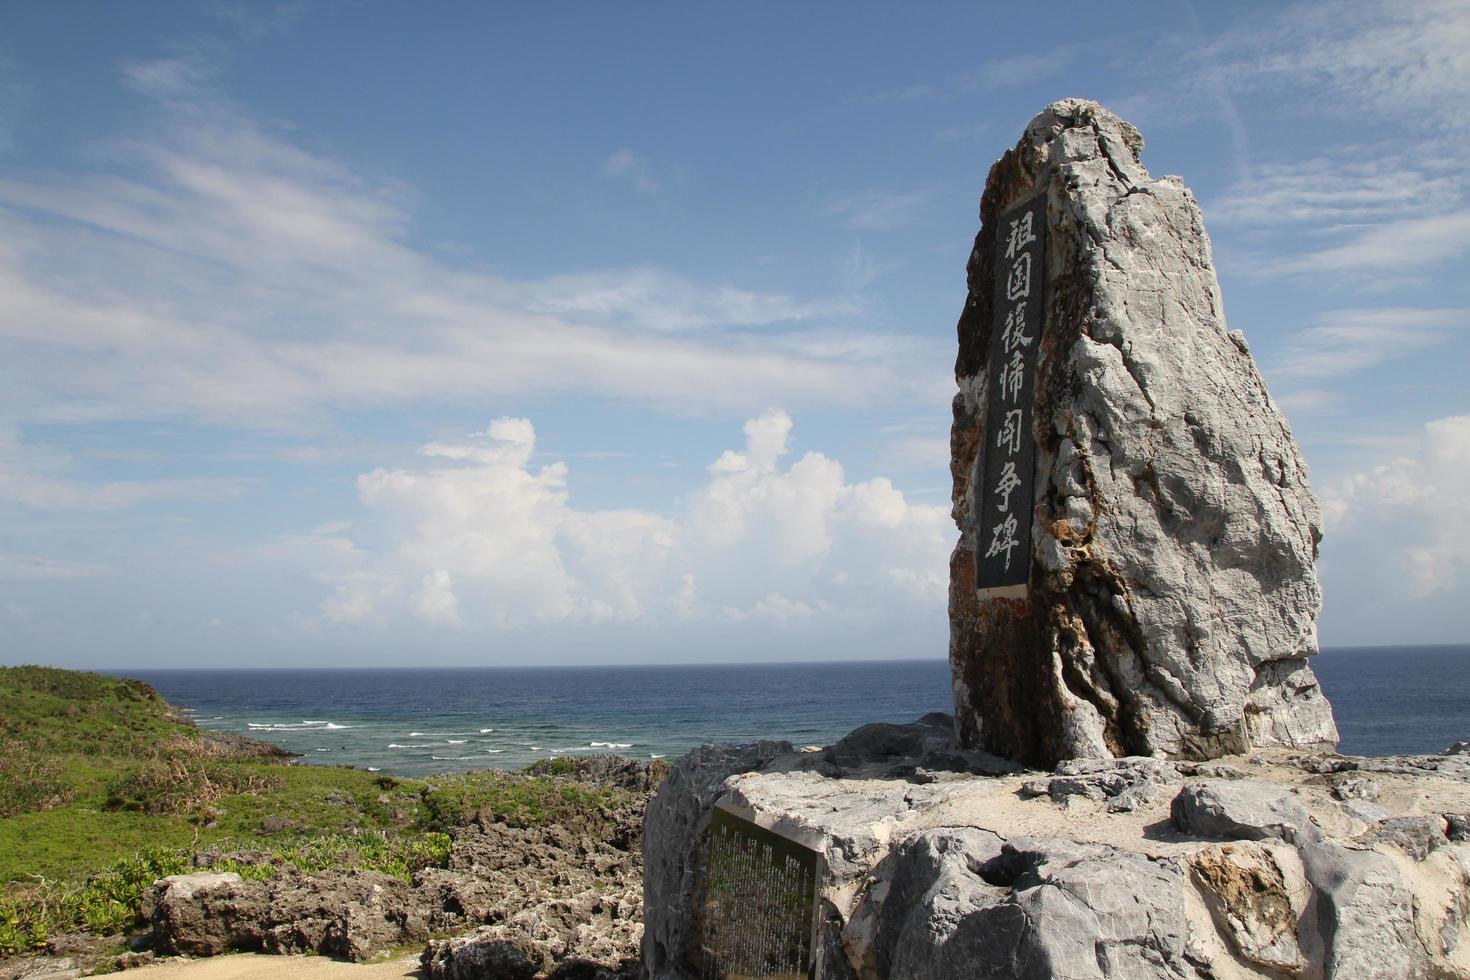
(105, 903)
(30, 782)
(180, 784)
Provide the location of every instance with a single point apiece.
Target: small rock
(1124, 784)
(1242, 810)
(1416, 836)
(485, 955)
(1323, 764)
(274, 823)
(1459, 748)
(1032, 788)
(1247, 895)
(882, 742)
(128, 961)
(1457, 826)
(1356, 788)
(1209, 770)
(50, 968)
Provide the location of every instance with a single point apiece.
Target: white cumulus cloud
(1411, 511)
(479, 537)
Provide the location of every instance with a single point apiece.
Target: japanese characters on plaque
(758, 914)
(1003, 545)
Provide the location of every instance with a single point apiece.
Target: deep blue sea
(1388, 700)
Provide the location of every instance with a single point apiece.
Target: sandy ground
(256, 966)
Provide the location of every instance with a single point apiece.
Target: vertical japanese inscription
(758, 911)
(1006, 491)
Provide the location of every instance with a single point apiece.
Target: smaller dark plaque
(1006, 492)
(758, 914)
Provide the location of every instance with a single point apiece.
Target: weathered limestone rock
(349, 914)
(1125, 784)
(180, 909)
(1248, 895)
(1172, 599)
(1365, 912)
(1418, 837)
(670, 868)
(484, 954)
(1245, 867)
(961, 904)
(1242, 810)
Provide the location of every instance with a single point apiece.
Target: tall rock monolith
(1135, 572)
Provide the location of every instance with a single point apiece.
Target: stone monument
(1132, 597)
(1135, 571)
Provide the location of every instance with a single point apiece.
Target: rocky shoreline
(561, 900)
(937, 862)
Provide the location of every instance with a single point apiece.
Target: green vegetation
(511, 798)
(104, 788)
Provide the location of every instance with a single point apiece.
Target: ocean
(415, 722)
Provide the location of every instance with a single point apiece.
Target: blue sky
(357, 333)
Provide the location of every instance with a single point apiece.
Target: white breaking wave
(454, 741)
(654, 755)
(610, 745)
(305, 726)
(494, 751)
(486, 731)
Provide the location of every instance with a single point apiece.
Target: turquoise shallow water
(1388, 700)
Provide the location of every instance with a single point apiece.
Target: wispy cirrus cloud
(994, 74)
(876, 210)
(1385, 56)
(657, 300)
(1347, 341)
(1378, 57)
(634, 168)
(42, 479)
(1020, 69)
(1391, 246)
(1354, 186)
(37, 568)
(226, 275)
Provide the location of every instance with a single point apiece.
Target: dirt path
(257, 966)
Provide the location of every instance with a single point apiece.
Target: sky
(357, 334)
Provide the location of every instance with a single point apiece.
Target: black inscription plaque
(1006, 491)
(758, 916)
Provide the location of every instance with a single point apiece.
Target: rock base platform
(939, 863)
